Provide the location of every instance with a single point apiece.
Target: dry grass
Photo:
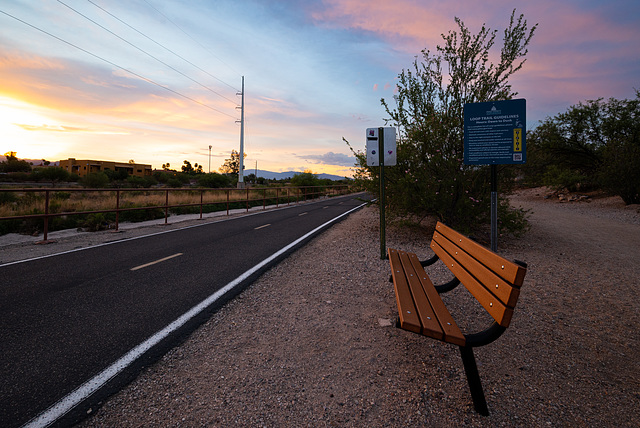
(76, 201)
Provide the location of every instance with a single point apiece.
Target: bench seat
(420, 308)
(494, 282)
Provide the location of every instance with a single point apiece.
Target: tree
(187, 168)
(136, 181)
(95, 180)
(52, 174)
(595, 144)
(620, 171)
(214, 180)
(306, 178)
(12, 164)
(430, 177)
(232, 165)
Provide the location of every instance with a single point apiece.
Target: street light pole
(209, 159)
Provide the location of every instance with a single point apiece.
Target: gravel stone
(310, 342)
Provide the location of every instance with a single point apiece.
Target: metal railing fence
(58, 202)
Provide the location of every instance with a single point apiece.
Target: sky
(157, 81)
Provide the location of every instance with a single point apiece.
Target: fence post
(166, 207)
(117, 209)
(264, 199)
(46, 216)
(201, 199)
(247, 199)
(227, 201)
(277, 197)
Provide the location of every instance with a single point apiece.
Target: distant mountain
(270, 175)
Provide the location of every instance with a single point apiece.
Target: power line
(145, 52)
(188, 35)
(116, 65)
(161, 45)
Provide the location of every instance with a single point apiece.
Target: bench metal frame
(482, 267)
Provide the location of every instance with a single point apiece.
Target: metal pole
(383, 240)
(241, 168)
(46, 217)
(209, 159)
(117, 209)
(166, 207)
(494, 208)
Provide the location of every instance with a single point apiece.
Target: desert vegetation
(95, 209)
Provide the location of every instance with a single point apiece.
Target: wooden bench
(492, 280)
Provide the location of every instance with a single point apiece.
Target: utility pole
(209, 159)
(241, 168)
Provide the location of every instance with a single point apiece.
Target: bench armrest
(430, 261)
(486, 336)
(447, 286)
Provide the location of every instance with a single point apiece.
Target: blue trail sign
(494, 132)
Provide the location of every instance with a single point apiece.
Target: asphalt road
(64, 319)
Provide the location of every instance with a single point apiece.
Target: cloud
(62, 128)
(330, 158)
(19, 60)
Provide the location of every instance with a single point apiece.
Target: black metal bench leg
(470, 367)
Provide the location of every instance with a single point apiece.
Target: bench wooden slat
(492, 280)
(447, 324)
(498, 310)
(428, 318)
(406, 309)
(510, 271)
(497, 286)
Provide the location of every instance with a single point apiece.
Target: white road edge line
(64, 405)
(157, 261)
(301, 214)
(262, 227)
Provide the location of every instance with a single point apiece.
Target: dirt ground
(311, 343)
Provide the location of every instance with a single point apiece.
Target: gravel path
(311, 342)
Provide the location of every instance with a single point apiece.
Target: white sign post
(381, 151)
(388, 150)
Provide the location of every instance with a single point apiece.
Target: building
(84, 167)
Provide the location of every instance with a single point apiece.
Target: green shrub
(95, 180)
(174, 182)
(214, 180)
(8, 197)
(95, 222)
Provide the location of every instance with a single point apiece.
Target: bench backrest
(494, 281)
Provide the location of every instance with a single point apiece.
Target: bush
(174, 182)
(12, 164)
(141, 214)
(145, 182)
(52, 174)
(214, 180)
(95, 222)
(595, 144)
(306, 178)
(95, 180)
(8, 197)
